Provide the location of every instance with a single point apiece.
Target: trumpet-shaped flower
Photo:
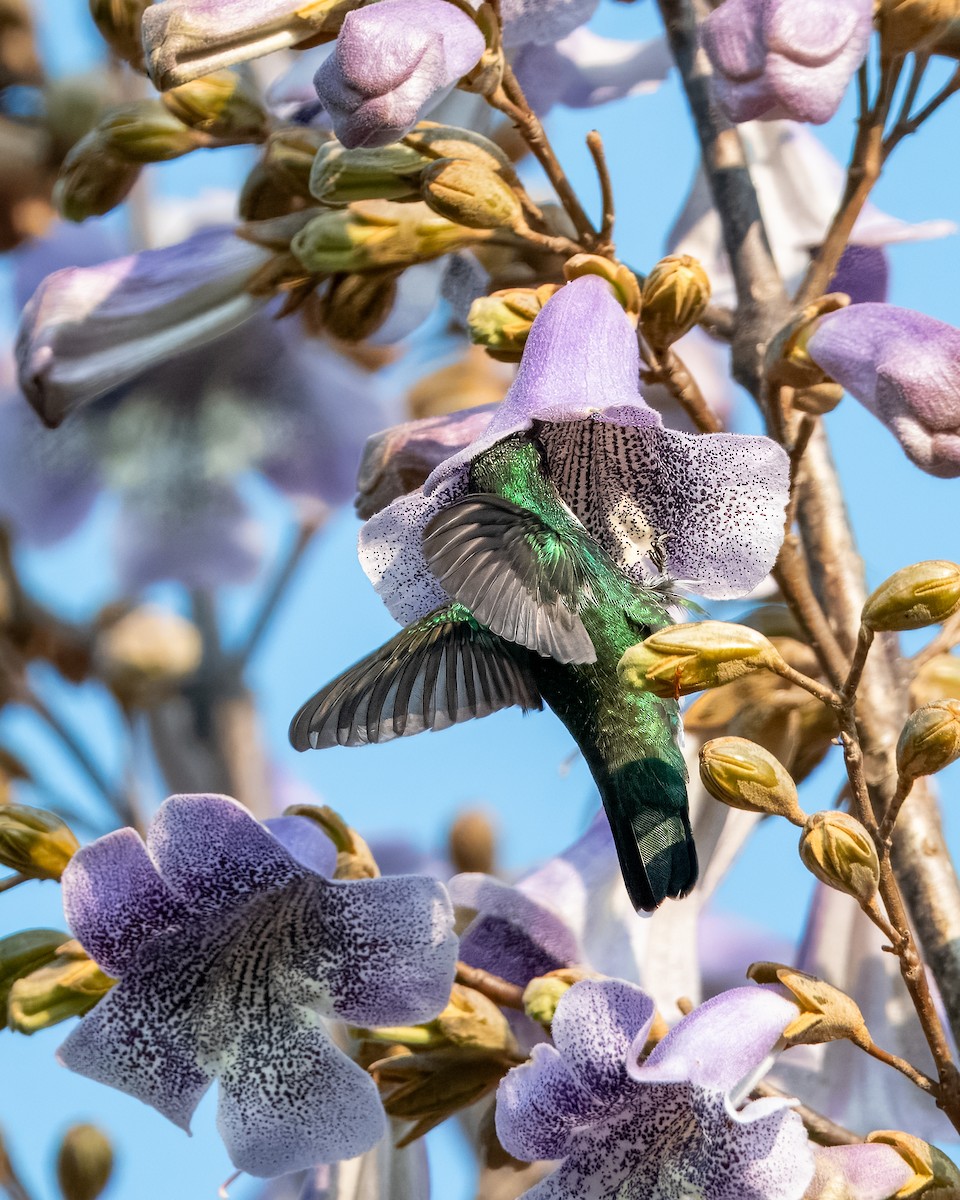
(709, 508)
(232, 951)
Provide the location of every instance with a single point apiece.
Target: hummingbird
(539, 613)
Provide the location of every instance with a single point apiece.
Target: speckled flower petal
(141, 1038)
(720, 1042)
(539, 1105)
(595, 1025)
(383, 949)
(114, 899)
(513, 935)
(306, 841)
(213, 853)
(291, 1099)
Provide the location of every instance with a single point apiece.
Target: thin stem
(672, 372)
(805, 431)
(904, 788)
(500, 991)
(864, 642)
(903, 129)
(78, 751)
(793, 579)
(11, 882)
(595, 146)
(825, 694)
(555, 242)
(924, 1082)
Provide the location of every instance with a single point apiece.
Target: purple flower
(863, 272)
(858, 1173)
(713, 502)
(670, 1126)
(904, 367)
(231, 951)
(542, 21)
(393, 62)
(776, 58)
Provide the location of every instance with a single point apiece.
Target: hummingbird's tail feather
(439, 671)
(516, 573)
(653, 839)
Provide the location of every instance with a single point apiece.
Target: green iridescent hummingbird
(539, 612)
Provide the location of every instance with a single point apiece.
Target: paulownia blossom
(904, 367)
(674, 1124)
(233, 949)
(777, 58)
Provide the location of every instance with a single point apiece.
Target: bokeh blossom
(232, 951)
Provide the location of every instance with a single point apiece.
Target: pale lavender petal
(393, 62)
(863, 1172)
(65, 244)
(539, 1105)
(542, 21)
(863, 273)
(596, 1023)
(114, 900)
(585, 70)
(720, 1042)
(290, 1099)
(384, 949)
(306, 841)
(212, 852)
(733, 38)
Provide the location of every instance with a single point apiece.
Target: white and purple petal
(858, 1172)
(596, 1023)
(540, 1104)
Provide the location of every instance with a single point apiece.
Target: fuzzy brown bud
(914, 597)
(471, 1019)
(819, 398)
(144, 654)
(934, 1175)
(826, 1013)
(222, 105)
(681, 659)
(118, 22)
(84, 1163)
(471, 194)
(743, 775)
(837, 849)
(93, 180)
(355, 306)
(675, 295)
(910, 25)
(447, 141)
(623, 281)
(930, 739)
(501, 321)
(35, 842)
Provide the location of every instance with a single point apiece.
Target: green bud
(93, 180)
(84, 1163)
(471, 195)
(146, 652)
(826, 1013)
(35, 842)
(934, 1175)
(69, 986)
(144, 132)
(930, 739)
(222, 105)
(446, 141)
(681, 659)
(542, 994)
(837, 849)
(674, 297)
(743, 775)
(501, 321)
(21, 953)
(914, 597)
(118, 22)
(341, 176)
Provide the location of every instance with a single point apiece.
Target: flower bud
(35, 842)
(826, 1013)
(681, 659)
(434, 141)
(937, 679)
(341, 176)
(909, 25)
(914, 597)
(837, 849)
(371, 236)
(934, 1175)
(744, 775)
(355, 306)
(69, 986)
(146, 652)
(118, 23)
(289, 154)
(623, 281)
(84, 1163)
(93, 180)
(472, 843)
(818, 398)
(675, 295)
(471, 195)
(542, 994)
(222, 105)
(23, 952)
(502, 320)
(354, 859)
(930, 739)
(473, 380)
(144, 132)
(471, 1019)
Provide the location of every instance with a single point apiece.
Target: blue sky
(516, 766)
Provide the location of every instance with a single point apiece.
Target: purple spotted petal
(393, 62)
(539, 1105)
(114, 899)
(212, 852)
(904, 367)
(720, 1043)
(859, 1172)
(306, 841)
(291, 1099)
(595, 1025)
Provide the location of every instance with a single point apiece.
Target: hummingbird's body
(540, 611)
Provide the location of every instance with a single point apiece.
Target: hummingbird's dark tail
(646, 805)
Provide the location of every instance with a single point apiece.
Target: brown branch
(11, 882)
(821, 1129)
(500, 991)
(670, 371)
(904, 128)
(595, 146)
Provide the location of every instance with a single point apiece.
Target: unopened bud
(374, 236)
(93, 180)
(930, 739)
(35, 842)
(914, 597)
(147, 652)
(542, 994)
(69, 986)
(934, 1175)
(354, 859)
(675, 295)
(826, 1013)
(471, 1019)
(837, 849)
(118, 22)
(23, 952)
(471, 195)
(910, 25)
(84, 1163)
(473, 843)
(222, 105)
(625, 285)
(501, 321)
(341, 176)
(937, 679)
(145, 132)
(743, 775)
(818, 399)
(446, 141)
(681, 659)
(355, 306)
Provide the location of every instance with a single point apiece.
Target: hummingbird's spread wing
(439, 671)
(517, 574)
